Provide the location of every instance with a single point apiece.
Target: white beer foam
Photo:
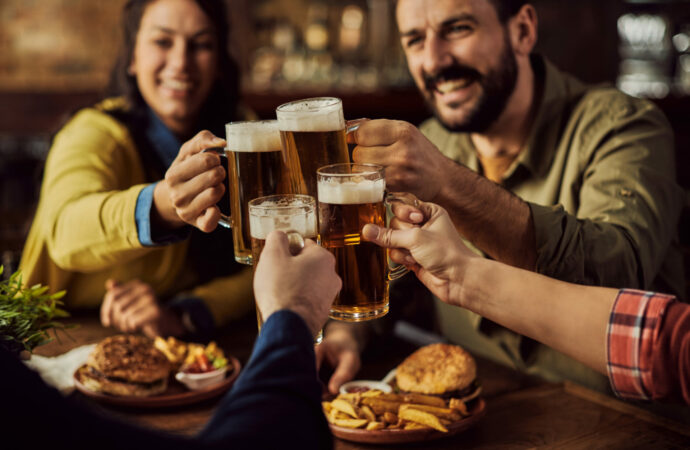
(311, 115)
(261, 226)
(260, 136)
(351, 193)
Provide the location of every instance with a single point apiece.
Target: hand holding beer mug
(292, 213)
(313, 134)
(351, 196)
(305, 283)
(255, 169)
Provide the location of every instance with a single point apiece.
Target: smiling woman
(175, 62)
(126, 177)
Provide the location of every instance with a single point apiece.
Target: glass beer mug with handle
(255, 169)
(294, 214)
(313, 134)
(349, 197)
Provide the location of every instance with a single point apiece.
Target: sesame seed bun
(437, 369)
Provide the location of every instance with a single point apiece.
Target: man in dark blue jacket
(276, 401)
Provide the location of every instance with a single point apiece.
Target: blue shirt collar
(165, 144)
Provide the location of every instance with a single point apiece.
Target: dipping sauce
(355, 389)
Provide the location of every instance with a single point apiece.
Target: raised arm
(570, 318)
(479, 208)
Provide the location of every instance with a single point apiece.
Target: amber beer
(293, 214)
(313, 135)
(350, 196)
(255, 169)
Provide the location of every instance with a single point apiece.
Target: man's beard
(497, 86)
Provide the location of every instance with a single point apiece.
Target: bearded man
(536, 169)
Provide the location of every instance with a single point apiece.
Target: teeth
(445, 87)
(177, 84)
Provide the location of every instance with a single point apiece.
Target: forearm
(229, 297)
(277, 391)
(567, 317)
(163, 213)
(95, 231)
(496, 221)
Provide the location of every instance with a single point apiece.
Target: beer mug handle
(397, 272)
(224, 221)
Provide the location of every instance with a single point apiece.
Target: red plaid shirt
(632, 331)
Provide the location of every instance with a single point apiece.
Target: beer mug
(255, 169)
(294, 214)
(349, 197)
(312, 132)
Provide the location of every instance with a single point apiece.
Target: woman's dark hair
(222, 103)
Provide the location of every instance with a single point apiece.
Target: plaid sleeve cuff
(632, 329)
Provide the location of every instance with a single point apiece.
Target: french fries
(172, 348)
(375, 410)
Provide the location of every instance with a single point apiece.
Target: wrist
(470, 291)
(350, 335)
(163, 210)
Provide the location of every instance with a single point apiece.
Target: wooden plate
(477, 411)
(176, 394)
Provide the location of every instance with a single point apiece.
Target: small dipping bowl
(365, 385)
(197, 381)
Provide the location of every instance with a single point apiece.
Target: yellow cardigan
(84, 230)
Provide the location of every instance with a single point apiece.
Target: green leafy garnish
(27, 314)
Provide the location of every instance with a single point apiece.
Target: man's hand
(305, 283)
(132, 307)
(433, 251)
(340, 349)
(192, 185)
(413, 164)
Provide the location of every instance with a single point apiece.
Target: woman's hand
(133, 307)
(192, 185)
(424, 239)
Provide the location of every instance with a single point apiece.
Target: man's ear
(523, 30)
(130, 69)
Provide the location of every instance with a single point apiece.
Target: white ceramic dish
(359, 385)
(197, 381)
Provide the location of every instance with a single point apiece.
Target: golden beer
(313, 135)
(350, 196)
(256, 169)
(288, 213)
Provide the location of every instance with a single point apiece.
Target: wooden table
(522, 411)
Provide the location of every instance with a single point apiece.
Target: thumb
(387, 237)
(277, 242)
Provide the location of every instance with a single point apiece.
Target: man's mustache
(450, 73)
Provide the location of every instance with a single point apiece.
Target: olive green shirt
(598, 173)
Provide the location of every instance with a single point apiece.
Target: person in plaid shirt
(640, 339)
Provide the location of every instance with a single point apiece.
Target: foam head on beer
(335, 192)
(283, 214)
(313, 114)
(260, 136)
(261, 226)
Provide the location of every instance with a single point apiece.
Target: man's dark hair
(221, 105)
(507, 8)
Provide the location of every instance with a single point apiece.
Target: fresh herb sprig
(27, 314)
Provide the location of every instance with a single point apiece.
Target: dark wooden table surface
(522, 411)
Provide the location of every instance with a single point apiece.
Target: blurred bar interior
(55, 56)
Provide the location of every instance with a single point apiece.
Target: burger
(439, 369)
(126, 365)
